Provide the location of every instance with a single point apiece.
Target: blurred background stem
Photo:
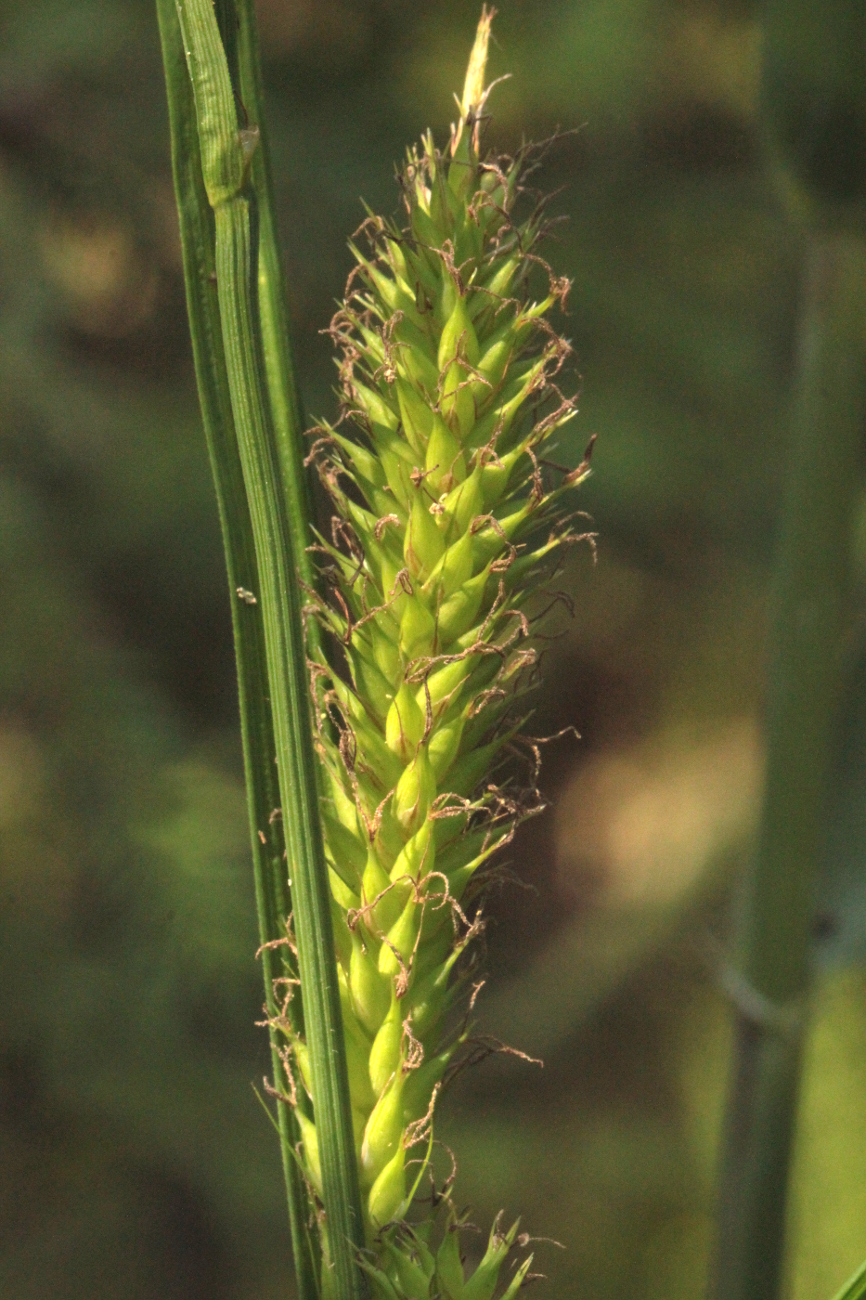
(266, 837)
(769, 983)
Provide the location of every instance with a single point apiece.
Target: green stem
(225, 160)
(270, 877)
(283, 391)
(772, 975)
(239, 31)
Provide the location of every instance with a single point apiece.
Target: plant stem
(770, 983)
(225, 159)
(270, 876)
(239, 31)
(283, 391)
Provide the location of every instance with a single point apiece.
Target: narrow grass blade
(226, 153)
(770, 984)
(271, 887)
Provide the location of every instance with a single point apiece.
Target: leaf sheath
(225, 161)
(270, 878)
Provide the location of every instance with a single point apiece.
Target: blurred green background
(136, 1160)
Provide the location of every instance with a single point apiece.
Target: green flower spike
(445, 528)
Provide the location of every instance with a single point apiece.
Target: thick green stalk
(770, 982)
(271, 883)
(225, 155)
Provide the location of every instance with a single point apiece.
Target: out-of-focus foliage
(136, 1159)
(815, 101)
(855, 1288)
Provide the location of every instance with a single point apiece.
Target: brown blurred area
(136, 1158)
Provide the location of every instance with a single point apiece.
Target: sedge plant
(448, 523)
(396, 712)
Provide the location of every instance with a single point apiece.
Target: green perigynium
(448, 522)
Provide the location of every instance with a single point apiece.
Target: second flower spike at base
(449, 522)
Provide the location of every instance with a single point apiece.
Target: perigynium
(449, 521)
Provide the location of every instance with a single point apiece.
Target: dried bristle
(472, 100)
(447, 519)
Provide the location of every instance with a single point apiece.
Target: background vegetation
(136, 1159)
